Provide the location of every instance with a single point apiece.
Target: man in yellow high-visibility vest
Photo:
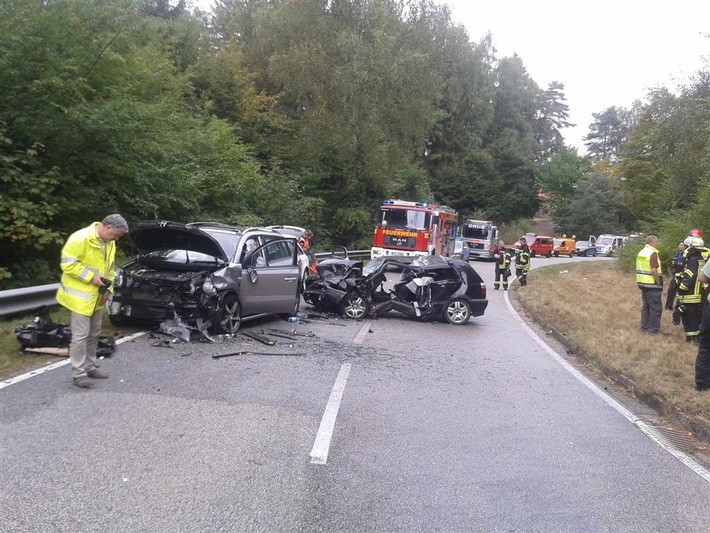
(88, 271)
(650, 281)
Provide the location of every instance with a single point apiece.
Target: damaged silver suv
(209, 275)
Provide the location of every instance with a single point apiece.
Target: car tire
(549, 254)
(354, 306)
(557, 254)
(230, 315)
(532, 253)
(457, 312)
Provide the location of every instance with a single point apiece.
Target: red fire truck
(415, 228)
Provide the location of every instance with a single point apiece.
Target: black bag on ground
(43, 333)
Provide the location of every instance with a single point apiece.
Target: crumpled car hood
(161, 235)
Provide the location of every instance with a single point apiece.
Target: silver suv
(209, 275)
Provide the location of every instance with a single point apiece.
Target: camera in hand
(107, 283)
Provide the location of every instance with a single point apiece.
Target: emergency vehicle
(480, 238)
(415, 228)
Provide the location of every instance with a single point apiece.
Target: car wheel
(354, 306)
(230, 316)
(549, 254)
(457, 312)
(532, 253)
(557, 254)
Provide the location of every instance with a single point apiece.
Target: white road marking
(321, 446)
(649, 431)
(360, 337)
(52, 366)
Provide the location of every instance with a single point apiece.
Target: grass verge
(596, 308)
(14, 362)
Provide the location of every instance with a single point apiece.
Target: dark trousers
(702, 363)
(651, 309)
(691, 317)
(522, 275)
(500, 272)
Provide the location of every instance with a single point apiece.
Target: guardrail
(16, 302)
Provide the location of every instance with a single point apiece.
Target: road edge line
(52, 366)
(649, 431)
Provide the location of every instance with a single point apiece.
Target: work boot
(83, 382)
(97, 374)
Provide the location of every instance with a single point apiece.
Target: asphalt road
(384, 425)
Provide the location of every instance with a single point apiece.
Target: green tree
(607, 133)
(28, 204)
(595, 208)
(559, 180)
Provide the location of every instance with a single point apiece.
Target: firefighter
(676, 267)
(522, 262)
(702, 362)
(502, 257)
(689, 289)
(305, 242)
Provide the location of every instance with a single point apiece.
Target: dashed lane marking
(360, 337)
(321, 446)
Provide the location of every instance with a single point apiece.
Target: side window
(279, 253)
(251, 244)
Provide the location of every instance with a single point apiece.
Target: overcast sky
(606, 52)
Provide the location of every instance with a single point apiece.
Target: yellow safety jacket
(644, 275)
(83, 256)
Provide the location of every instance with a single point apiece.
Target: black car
(428, 288)
(209, 275)
(585, 249)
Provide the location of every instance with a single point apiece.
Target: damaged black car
(211, 276)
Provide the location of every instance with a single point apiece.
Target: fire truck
(479, 238)
(415, 228)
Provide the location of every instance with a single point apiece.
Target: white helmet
(688, 242)
(697, 242)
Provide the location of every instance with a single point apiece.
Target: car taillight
(483, 291)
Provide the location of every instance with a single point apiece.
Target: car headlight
(208, 287)
(118, 280)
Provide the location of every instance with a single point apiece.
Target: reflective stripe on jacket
(503, 261)
(690, 288)
(644, 275)
(82, 258)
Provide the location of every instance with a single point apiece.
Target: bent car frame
(210, 275)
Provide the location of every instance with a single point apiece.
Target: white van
(608, 245)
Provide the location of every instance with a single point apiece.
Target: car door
(270, 278)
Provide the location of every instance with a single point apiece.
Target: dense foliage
(306, 112)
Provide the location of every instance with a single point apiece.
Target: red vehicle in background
(415, 228)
